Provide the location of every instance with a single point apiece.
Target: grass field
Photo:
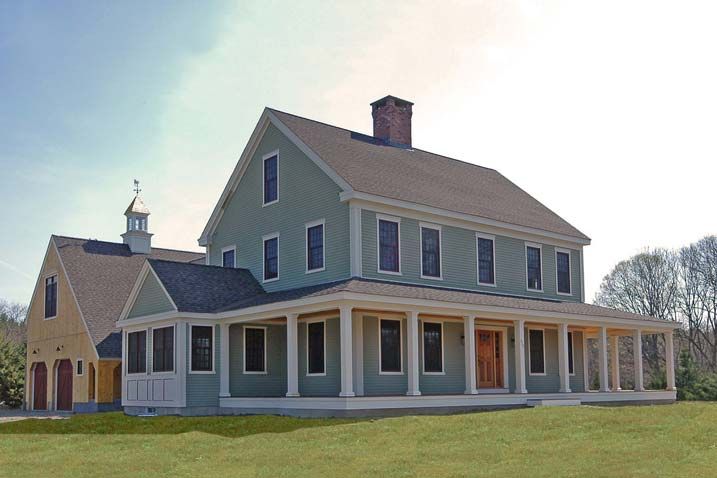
(673, 440)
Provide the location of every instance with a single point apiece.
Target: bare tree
(12, 321)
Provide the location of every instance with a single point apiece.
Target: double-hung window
(316, 348)
(389, 249)
(137, 352)
(533, 267)
(390, 344)
(202, 348)
(571, 359)
(562, 266)
(432, 347)
(51, 297)
(315, 246)
(536, 351)
(163, 349)
(254, 349)
(229, 256)
(430, 251)
(271, 257)
(271, 178)
(485, 247)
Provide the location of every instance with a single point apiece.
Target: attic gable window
(229, 257)
(51, 297)
(271, 178)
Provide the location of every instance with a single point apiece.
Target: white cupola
(137, 236)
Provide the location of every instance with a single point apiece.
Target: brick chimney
(392, 120)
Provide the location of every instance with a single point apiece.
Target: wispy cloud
(16, 270)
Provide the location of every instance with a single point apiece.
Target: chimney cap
(398, 101)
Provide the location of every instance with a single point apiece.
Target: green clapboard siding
(374, 383)
(305, 194)
(151, 299)
(271, 384)
(454, 379)
(330, 384)
(203, 389)
(460, 261)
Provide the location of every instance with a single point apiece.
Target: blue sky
(605, 112)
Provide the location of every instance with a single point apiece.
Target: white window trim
(263, 179)
(80, 361)
(495, 279)
(269, 237)
(397, 220)
(146, 350)
(266, 365)
(435, 227)
(400, 346)
(44, 294)
(527, 282)
(307, 226)
(545, 365)
(320, 374)
(570, 271)
(174, 351)
(191, 350)
(571, 340)
(423, 349)
(227, 249)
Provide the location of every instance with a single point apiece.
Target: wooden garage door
(39, 387)
(64, 385)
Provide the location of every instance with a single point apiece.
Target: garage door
(39, 386)
(64, 385)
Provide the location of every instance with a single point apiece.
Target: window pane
(163, 349)
(536, 352)
(80, 365)
(570, 353)
(390, 346)
(431, 252)
(563, 272)
(271, 258)
(270, 179)
(315, 247)
(254, 353)
(228, 258)
(485, 261)
(432, 348)
(202, 349)
(51, 296)
(316, 347)
(535, 279)
(388, 245)
(136, 352)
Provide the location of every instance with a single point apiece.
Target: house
(74, 349)
(351, 274)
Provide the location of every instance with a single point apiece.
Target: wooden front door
(39, 387)
(489, 359)
(64, 385)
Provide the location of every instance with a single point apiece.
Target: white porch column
(224, 361)
(615, 362)
(519, 330)
(346, 333)
(637, 351)
(413, 387)
(357, 321)
(602, 353)
(563, 358)
(469, 340)
(670, 360)
(292, 355)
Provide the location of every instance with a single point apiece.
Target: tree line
(13, 342)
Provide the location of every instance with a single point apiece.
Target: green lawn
(667, 440)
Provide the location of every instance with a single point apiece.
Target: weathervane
(137, 190)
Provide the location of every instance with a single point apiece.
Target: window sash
(254, 349)
(563, 268)
(137, 352)
(430, 252)
(486, 270)
(537, 357)
(316, 342)
(51, 296)
(271, 258)
(271, 176)
(535, 276)
(388, 245)
(432, 347)
(202, 348)
(228, 258)
(315, 247)
(390, 345)
(163, 349)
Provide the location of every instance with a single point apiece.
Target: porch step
(554, 402)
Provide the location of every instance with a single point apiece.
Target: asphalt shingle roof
(370, 166)
(102, 275)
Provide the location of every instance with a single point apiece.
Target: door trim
(504, 348)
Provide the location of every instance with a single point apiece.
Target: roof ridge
(153, 259)
(121, 244)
